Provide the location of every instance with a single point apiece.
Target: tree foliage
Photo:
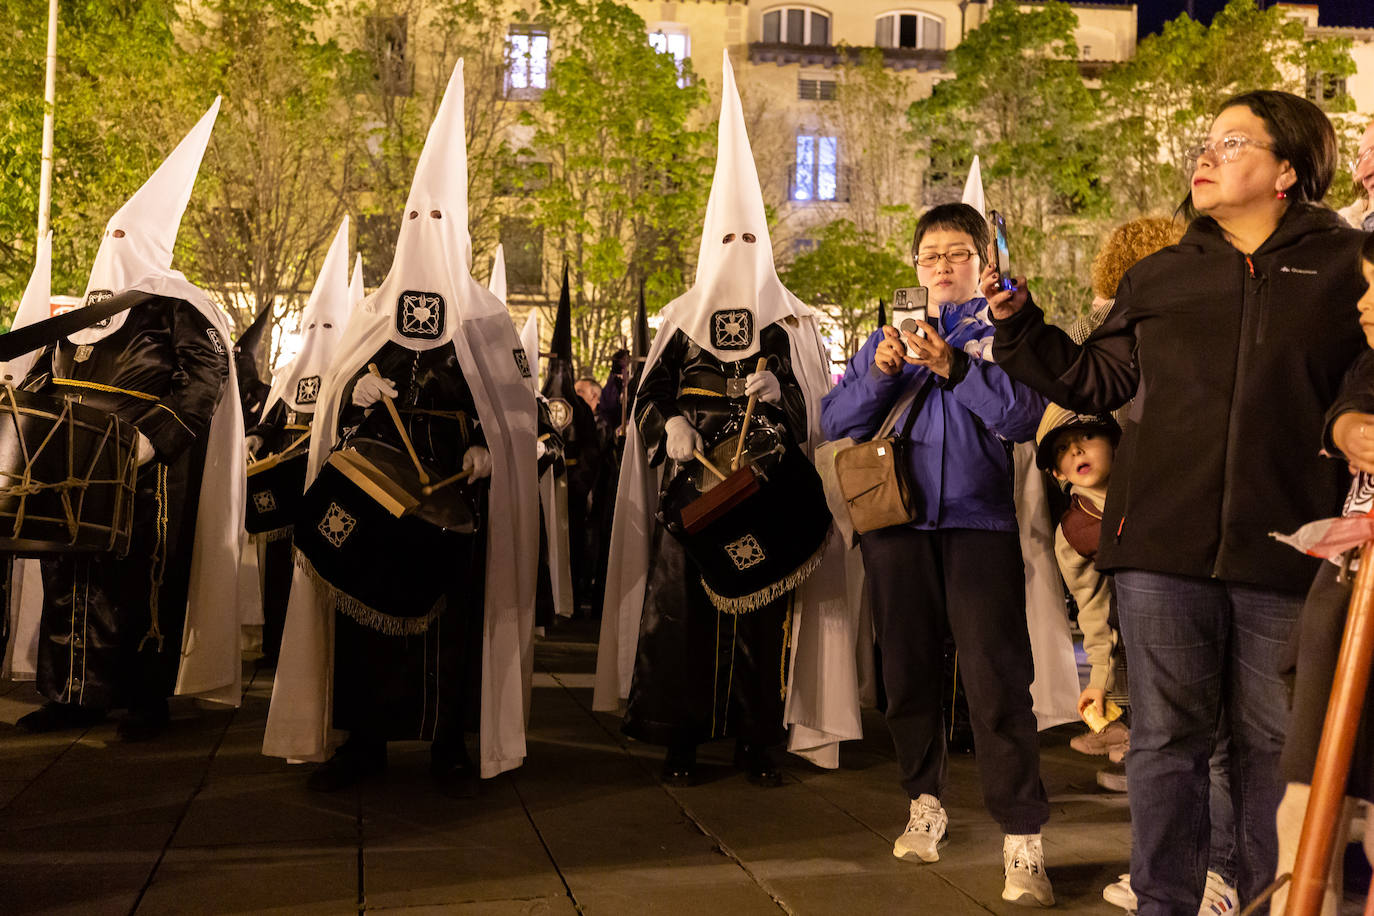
(627, 168)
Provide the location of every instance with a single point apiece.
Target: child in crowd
(1078, 450)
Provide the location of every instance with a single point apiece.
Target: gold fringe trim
(755, 600)
(368, 616)
(276, 534)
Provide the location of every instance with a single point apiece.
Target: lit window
(527, 61)
(674, 43)
(910, 29)
(793, 25)
(816, 174)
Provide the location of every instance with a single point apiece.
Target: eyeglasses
(1224, 150)
(931, 258)
(1360, 159)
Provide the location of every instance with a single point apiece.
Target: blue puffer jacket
(959, 451)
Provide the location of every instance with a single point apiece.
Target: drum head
(444, 508)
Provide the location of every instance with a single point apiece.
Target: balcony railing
(833, 55)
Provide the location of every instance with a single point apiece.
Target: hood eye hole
(328, 325)
(435, 214)
(414, 213)
(118, 233)
(749, 237)
(729, 237)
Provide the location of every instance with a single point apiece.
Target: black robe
(424, 686)
(164, 370)
(701, 673)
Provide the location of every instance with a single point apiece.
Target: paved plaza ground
(199, 821)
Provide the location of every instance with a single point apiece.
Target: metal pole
(49, 95)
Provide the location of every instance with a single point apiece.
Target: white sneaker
(1120, 894)
(1218, 897)
(1023, 865)
(924, 831)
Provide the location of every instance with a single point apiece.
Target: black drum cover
(275, 488)
(765, 545)
(67, 475)
(389, 573)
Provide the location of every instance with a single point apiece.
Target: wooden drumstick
(748, 415)
(405, 439)
(706, 463)
(430, 488)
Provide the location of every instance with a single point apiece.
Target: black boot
(53, 716)
(453, 770)
(354, 761)
(146, 720)
(757, 763)
(680, 765)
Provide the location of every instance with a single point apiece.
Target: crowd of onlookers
(1219, 391)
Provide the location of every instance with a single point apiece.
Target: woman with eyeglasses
(957, 566)
(1232, 343)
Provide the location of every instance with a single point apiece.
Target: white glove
(540, 450)
(370, 389)
(683, 439)
(145, 450)
(253, 443)
(764, 384)
(477, 460)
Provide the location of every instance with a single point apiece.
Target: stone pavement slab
(199, 821)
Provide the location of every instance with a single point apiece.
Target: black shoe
(351, 764)
(53, 716)
(758, 765)
(145, 721)
(454, 772)
(680, 765)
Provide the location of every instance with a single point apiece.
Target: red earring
(1280, 195)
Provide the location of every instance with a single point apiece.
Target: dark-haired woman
(1232, 342)
(958, 565)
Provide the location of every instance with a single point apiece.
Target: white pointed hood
(430, 288)
(34, 306)
(529, 340)
(737, 291)
(357, 291)
(973, 188)
(136, 249)
(322, 327)
(497, 283)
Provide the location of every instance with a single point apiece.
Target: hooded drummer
(286, 415)
(126, 631)
(685, 669)
(447, 357)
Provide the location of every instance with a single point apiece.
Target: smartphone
(1002, 257)
(908, 304)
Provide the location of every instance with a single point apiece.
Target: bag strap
(915, 395)
(38, 335)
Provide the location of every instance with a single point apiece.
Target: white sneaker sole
(1026, 898)
(911, 855)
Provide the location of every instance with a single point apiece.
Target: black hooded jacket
(1232, 362)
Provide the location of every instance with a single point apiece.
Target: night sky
(1154, 13)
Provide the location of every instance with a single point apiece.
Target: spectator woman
(958, 565)
(1232, 343)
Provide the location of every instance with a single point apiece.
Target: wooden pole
(1327, 800)
(748, 415)
(400, 428)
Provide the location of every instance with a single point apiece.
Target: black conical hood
(561, 346)
(251, 338)
(639, 342)
(882, 313)
(560, 381)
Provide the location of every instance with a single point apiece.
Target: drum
(759, 533)
(67, 474)
(275, 486)
(389, 553)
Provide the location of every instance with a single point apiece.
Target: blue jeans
(1198, 648)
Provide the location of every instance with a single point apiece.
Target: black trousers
(973, 582)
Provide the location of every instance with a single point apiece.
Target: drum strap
(38, 335)
(110, 389)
